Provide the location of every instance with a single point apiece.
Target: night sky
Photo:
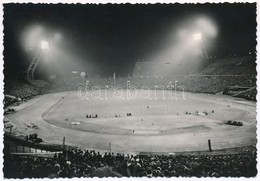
(111, 38)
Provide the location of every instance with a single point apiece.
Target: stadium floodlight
(197, 36)
(44, 45)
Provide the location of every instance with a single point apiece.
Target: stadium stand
(247, 94)
(38, 83)
(84, 163)
(19, 88)
(15, 90)
(214, 78)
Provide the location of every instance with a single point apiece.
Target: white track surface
(171, 132)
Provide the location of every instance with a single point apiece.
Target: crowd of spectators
(79, 163)
(214, 78)
(231, 66)
(249, 94)
(216, 84)
(19, 90)
(194, 83)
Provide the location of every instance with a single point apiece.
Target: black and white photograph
(129, 90)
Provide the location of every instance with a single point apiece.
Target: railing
(19, 144)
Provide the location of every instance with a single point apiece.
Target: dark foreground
(79, 163)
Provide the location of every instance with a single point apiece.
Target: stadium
(128, 108)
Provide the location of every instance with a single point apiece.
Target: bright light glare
(191, 35)
(44, 45)
(57, 36)
(31, 36)
(197, 36)
(207, 26)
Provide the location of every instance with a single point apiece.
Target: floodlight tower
(44, 46)
(198, 37)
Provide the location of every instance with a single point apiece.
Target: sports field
(158, 123)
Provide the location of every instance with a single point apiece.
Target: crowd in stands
(19, 90)
(213, 78)
(79, 163)
(193, 83)
(231, 66)
(216, 84)
(248, 94)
